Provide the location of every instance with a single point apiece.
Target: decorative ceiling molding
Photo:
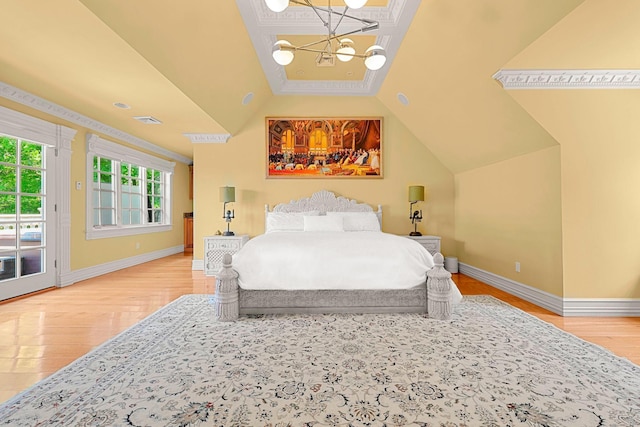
(208, 138)
(568, 79)
(264, 26)
(25, 98)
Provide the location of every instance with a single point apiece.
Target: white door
(27, 217)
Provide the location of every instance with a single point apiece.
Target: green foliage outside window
(30, 174)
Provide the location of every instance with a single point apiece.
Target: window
(129, 191)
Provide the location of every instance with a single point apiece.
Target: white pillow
(287, 221)
(323, 223)
(358, 221)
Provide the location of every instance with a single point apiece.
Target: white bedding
(332, 260)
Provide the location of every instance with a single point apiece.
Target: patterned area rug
(491, 365)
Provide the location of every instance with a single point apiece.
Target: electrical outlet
(517, 267)
(137, 245)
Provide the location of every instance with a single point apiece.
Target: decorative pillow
(358, 221)
(287, 221)
(323, 223)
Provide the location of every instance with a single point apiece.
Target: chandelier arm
(339, 20)
(334, 37)
(306, 49)
(364, 21)
(315, 10)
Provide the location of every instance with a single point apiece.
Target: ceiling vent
(148, 120)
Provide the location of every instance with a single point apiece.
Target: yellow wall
(88, 253)
(241, 163)
(510, 212)
(598, 134)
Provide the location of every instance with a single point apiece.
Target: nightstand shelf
(430, 243)
(216, 246)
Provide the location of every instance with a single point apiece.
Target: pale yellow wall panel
(241, 163)
(598, 133)
(598, 34)
(510, 212)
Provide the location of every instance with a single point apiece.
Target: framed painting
(349, 147)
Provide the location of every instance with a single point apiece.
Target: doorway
(27, 216)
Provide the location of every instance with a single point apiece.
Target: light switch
(78, 185)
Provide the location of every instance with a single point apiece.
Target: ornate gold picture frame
(300, 147)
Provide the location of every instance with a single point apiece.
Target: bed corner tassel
(225, 301)
(439, 290)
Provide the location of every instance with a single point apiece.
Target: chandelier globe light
(281, 54)
(277, 5)
(375, 57)
(346, 51)
(334, 45)
(355, 4)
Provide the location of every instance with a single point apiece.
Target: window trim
(97, 146)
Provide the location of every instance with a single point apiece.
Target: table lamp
(227, 195)
(416, 194)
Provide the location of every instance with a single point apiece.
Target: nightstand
(430, 243)
(216, 246)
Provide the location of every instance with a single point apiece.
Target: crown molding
(25, 98)
(568, 79)
(208, 138)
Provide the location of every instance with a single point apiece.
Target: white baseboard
(602, 307)
(197, 264)
(98, 270)
(590, 307)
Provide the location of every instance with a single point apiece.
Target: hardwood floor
(42, 333)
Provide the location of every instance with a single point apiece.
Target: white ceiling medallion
(264, 27)
(568, 79)
(208, 138)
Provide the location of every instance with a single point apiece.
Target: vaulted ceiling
(201, 68)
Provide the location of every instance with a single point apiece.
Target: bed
(328, 254)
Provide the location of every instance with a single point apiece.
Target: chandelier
(335, 45)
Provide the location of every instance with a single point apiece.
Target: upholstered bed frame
(231, 300)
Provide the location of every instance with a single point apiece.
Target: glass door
(27, 256)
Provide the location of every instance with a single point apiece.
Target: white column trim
(64, 138)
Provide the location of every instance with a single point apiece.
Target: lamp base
(415, 233)
(228, 233)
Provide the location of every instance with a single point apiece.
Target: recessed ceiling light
(403, 98)
(121, 105)
(247, 98)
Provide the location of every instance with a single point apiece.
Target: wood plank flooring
(42, 333)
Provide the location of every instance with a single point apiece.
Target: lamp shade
(227, 194)
(416, 193)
